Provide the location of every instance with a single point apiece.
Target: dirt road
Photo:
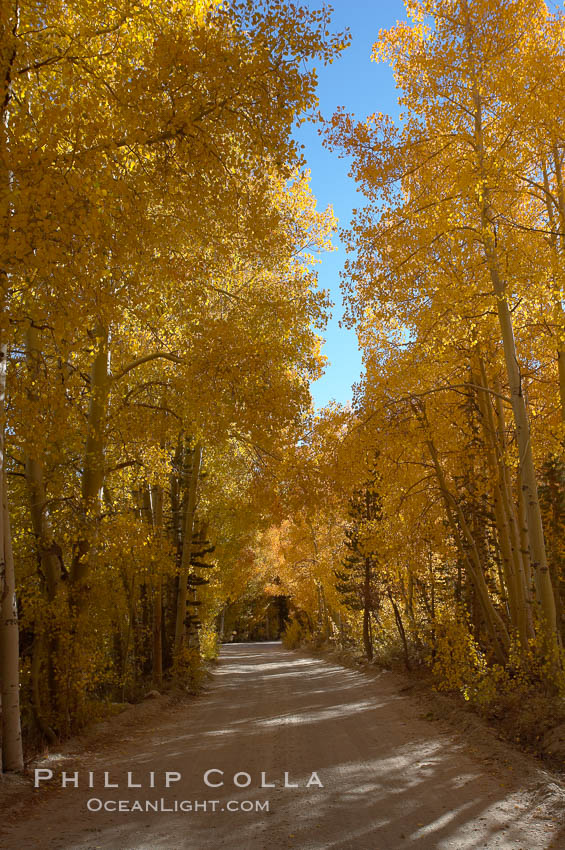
(391, 778)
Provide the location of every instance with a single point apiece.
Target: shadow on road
(390, 778)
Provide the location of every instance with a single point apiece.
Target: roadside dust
(392, 777)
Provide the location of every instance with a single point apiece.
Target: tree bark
(48, 552)
(538, 555)
(367, 641)
(470, 557)
(505, 515)
(11, 739)
(157, 512)
(188, 532)
(93, 470)
(401, 629)
(12, 752)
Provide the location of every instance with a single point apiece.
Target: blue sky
(363, 87)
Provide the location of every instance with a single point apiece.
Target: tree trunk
(12, 753)
(157, 511)
(367, 639)
(559, 303)
(470, 557)
(48, 552)
(11, 740)
(520, 556)
(187, 548)
(35, 673)
(201, 543)
(93, 470)
(505, 515)
(401, 629)
(557, 254)
(538, 556)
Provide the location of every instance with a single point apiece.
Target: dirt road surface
(391, 778)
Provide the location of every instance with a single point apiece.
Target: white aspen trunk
(12, 753)
(505, 514)
(501, 521)
(471, 559)
(557, 254)
(561, 207)
(11, 738)
(521, 559)
(538, 555)
(187, 548)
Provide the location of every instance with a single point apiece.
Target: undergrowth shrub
(294, 634)
(526, 697)
(188, 669)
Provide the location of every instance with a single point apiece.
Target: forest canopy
(166, 481)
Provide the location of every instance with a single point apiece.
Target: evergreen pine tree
(356, 581)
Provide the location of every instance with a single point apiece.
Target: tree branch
(147, 358)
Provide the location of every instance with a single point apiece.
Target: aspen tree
(12, 755)
(11, 738)
(450, 178)
(157, 517)
(159, 244)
